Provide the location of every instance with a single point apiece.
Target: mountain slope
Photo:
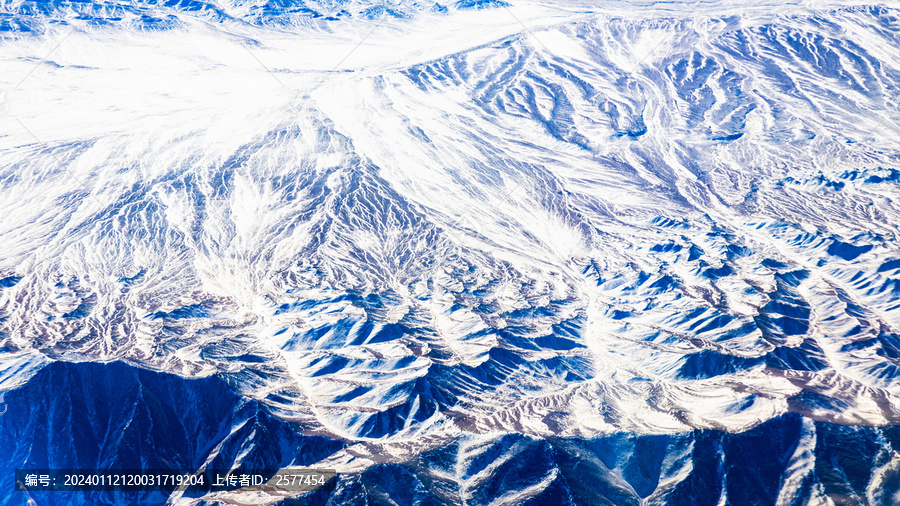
(403, 233)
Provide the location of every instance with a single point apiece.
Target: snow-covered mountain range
(416, 229)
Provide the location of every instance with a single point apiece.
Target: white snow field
(411, 226)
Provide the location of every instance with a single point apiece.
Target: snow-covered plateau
(611, 252)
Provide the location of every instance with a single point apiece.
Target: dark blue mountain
(114, 416)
